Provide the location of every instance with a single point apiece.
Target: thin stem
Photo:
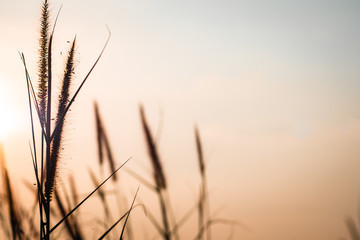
(167, 235)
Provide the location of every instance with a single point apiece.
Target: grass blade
(87, 197)
(122, 217)
(61, 207)
(81, 85)
(127, 217)
(100, 192)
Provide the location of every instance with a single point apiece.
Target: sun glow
(8, 117)
(7, 123)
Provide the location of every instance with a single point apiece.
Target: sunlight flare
(8, 118)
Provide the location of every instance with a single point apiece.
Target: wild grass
(55, 206)
(15, 222)
(158, 173)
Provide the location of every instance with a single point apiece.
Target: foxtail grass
(203, 198)
(43, 59)
(52, 163)
(104, 147)
(52, 115)
(103, 141)
(158, 173)
(51, 136)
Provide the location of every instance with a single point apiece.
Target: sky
(272, 86)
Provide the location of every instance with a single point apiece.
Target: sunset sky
(272, 85)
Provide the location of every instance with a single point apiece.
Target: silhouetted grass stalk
(158, 173)
(51, 136)
(103, 144)
(15, 222)
(204, 200)
(46, 158)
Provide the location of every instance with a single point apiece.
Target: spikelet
(199, 152)
(99, 133)
(103, 141)
(109, 154)
(51, 164)
(155, 160)
(43, 60)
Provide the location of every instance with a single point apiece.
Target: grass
(55, 207)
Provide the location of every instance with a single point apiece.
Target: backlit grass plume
(99, 134)
(158, 173)
(43, 60)
(48, 113)
(52, 162)
(103, 141)
(152, 150)
(203, 199)
(46, 157)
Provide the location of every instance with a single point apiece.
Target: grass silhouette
(55, 206)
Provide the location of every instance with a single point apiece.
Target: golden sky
(273, 86)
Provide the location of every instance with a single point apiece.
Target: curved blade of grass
(114, 225)
(29, 82)
(40, 193)
(49, 66)
(81, 85)
(32, 124)
(86, 198)
(126, 214)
